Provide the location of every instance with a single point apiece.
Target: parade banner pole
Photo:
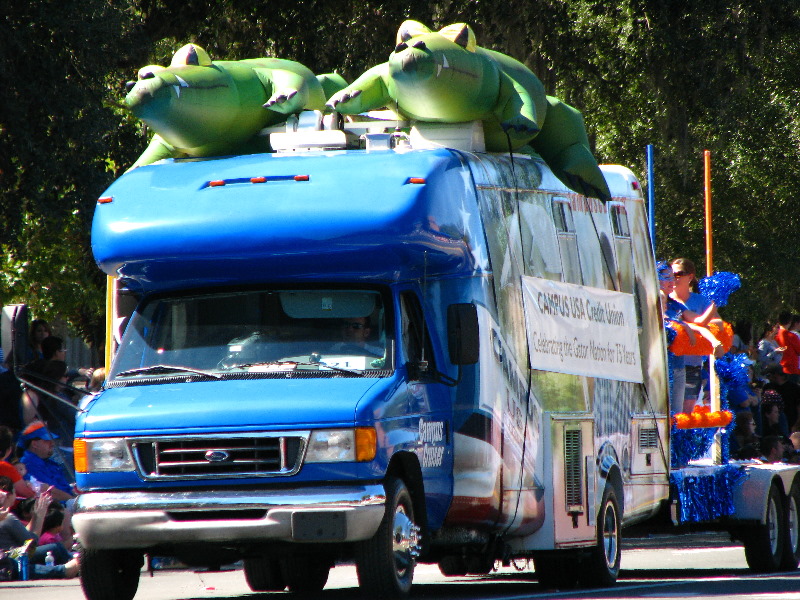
(713, 380)
(651, 197)
(709, 238)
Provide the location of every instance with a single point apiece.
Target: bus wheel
(791, 550)
(600, 568)
(110, 574)
(306, 575)
(385, 563)
(263, 574)
(764, 542)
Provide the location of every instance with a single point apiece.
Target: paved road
(656, 568)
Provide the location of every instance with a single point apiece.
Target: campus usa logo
(431, 437)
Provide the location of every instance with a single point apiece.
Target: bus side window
(567, 240)
(622, 245)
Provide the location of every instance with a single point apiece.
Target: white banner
(580, 330)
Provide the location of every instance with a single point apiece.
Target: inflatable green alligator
(202, 108)
(445, 77)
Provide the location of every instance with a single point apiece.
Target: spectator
(10, 396)
(790, 360)
(769, 353)
(53, 349)
(53, 525)
(14, 534)
(741, 338)
(794, 451)
(744, 442)
(772, 447)
(20, 467)
(745, 397)
(21, 487)
(40, 329)
(788, 390)
(39, 446)
(97, 380)
(773, 420)
(52, 405)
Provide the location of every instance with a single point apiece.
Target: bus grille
(200, 457)
(648, 438)
(573, 475)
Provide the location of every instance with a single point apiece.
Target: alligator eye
(400, 47)
(147, 75)
(129, 85)
(420, 45)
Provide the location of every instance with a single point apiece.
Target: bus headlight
(342, 445)
(106, 454)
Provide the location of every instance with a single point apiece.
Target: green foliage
(683, 76)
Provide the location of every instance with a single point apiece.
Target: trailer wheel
(764, 542)
(791, 551)
(110, 574)
(306, 575)
(263, 574)
(557, 570)
(600, 568)
(385, 563)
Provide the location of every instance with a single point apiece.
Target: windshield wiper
(163, 369)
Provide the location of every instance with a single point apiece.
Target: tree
(684, 76)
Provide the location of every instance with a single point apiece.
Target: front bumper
(107, 520)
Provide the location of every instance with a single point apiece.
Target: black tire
(110, 574)
(264, 574)
(600, 568)
(791, 549)
(557, 570)
(764, 542)
(385, 563)
(305, 575)
(452, 566)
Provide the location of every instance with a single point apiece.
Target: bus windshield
(267, 331)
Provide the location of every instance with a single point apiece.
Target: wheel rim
(405, 541)
(610, 536)
(794, 523)
(772, 525)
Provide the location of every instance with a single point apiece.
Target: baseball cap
(36, 431)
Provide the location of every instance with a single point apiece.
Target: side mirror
(462, 334)
(14, 329)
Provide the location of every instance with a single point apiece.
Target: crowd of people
(38, 405)
(767, 411)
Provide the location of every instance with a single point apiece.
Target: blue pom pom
(719, 286)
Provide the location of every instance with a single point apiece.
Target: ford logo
(217, 456)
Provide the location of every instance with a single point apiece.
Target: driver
(355, 333)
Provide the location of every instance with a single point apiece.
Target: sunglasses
(681, 273)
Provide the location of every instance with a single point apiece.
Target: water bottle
(50, 560)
